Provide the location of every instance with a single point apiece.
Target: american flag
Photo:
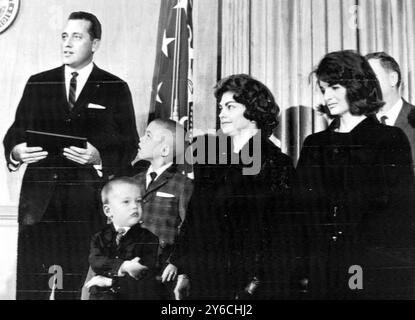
(172, 94)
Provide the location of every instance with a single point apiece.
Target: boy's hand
(99, 281)
(169, 273)
(134, 268)
(182, 289)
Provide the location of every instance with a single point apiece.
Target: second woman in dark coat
(356, 181)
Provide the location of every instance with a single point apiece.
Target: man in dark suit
(396, 110)
(59, 200)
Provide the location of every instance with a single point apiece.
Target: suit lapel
(162, 180)
(109, 235)
(131, 235)
(91, 86)
(61, 90)
(129, 241)
(402, 120)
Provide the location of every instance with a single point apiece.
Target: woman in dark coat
(356, 181)
(241, 179)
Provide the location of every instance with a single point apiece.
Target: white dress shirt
(81, 79)
(159, 171)
(392, 114)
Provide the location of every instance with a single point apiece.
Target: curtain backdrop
(281, 41)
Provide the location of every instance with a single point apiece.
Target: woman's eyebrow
(228, 102)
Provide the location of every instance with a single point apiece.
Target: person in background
(396, 111)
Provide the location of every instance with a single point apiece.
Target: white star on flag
(158, 99)
(166, 42)
(181, 4)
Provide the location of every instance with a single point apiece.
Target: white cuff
(13, 165)
(119, 273)
(98, 168)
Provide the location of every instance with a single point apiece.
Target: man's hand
(90, 155)
(99, 281)
(169, 273)
(23, 153)
(182, 289)
(133, 268)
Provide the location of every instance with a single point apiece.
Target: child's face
(124, 205)
(153, 143)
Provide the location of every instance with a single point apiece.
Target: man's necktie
(72, 90)
(383, 119)
(120, 233)
(153, 177)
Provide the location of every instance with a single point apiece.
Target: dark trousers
(53, 254)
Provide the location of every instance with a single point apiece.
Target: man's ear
(107, 210)
(393, 78)
(165, 150)
(95, 45)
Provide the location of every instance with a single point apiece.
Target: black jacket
(106, 259)
(406, 122)
(44, 107)
(225, 239)
(357, 189)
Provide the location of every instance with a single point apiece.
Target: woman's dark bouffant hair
(255, 96)
(352, 71)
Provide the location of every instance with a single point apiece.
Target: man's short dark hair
(387, 62)
(352, 71)
(95, 29)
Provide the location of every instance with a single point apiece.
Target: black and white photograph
(231, 151)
